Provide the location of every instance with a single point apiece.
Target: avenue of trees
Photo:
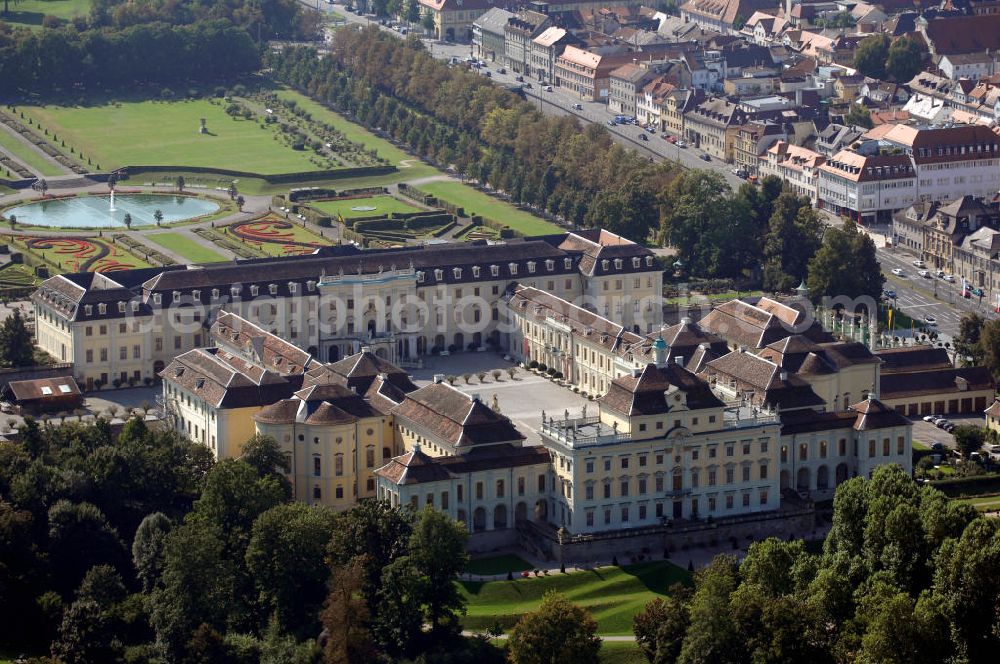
(489, 134)
(906, 576)
(141, 548)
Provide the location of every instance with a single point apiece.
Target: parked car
(643, 137)
(949, 427)
(942, 423)
(651, 129)
(898, 272)
(930, 320)
(548, 88)
(672, 139)
(612, 123)
(978, 292)
(681, 144)
(925, 274)
(940, 273)
(891, 294)
(578, 107)
(704, 157)
(918, 263)
(937, 447)
(930, 418)
(502, 70)
(487, 74)
(519, 78)
(950, 278)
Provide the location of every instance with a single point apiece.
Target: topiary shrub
(533, 364)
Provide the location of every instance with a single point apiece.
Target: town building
(796, 166)
(725, 16)
(960, 237)
(546, 48)
(587, 73)
(626, 85)
(752, 142)
(402, 303)
(519, 32)
(712, 126)
(488, 39)
(866, 188)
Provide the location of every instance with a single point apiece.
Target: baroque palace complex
(750, 412)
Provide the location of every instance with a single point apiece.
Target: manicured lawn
(22, 153)
(166, 133)
(984, 503)
(409, 166)
(31, 12)
(382, 205)
(273, 236)
(14, 275)
(476, 202)
(621, 652)
(613, 594)
(182, 244)
(498, 565)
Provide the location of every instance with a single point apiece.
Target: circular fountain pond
(99, 212)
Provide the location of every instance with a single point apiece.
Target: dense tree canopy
(871, 54)
(905, 576)
(845, 266)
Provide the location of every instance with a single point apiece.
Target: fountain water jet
(112, 208)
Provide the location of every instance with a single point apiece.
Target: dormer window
(420, 277)
(254, 290)
(495, 270)
(88, 310)
(234, 290)
(157, 298)
(605, 264)
(272, 289)
(292, 287)
(618, 263)
(135, 306)
(513, 268)
(649, 261)
(457, 271)
(196, 295)
(531, 267)
(311, 285)
(438, 275)
(215, 293)
(636, 262)
(102, 308)
(476, 270)
(121, 307)
(176, 295)
(568, 263)
(550, 265)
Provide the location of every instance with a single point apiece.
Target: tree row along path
(37, 150)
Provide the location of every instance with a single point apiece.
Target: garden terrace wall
(278, 178)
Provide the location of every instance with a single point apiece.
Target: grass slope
(182, 244)
(613, 594)
(497, 565)
(984, 503)
(13, 146)
(621, 652)
(166, 133)
(476, 202)
(382, 205)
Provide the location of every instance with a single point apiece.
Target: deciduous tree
(559, 631)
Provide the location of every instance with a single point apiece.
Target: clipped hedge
(968, 486)
(277, 178)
